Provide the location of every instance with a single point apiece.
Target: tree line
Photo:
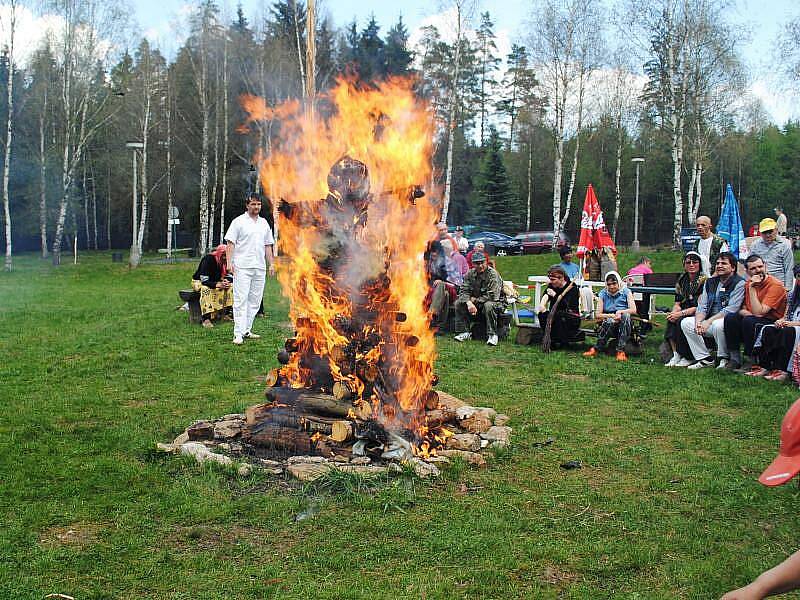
(89, 116)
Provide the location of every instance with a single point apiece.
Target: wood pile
(305, 434)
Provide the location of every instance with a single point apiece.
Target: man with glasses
(722, 295)
(709, 245)
(776, 253)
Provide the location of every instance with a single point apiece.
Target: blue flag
(730, 225)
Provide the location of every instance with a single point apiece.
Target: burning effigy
(356, 380)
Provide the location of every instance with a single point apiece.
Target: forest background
(587, 87)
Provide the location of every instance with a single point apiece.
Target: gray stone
(225, 430)
(265, 462)
(464, 441)
(497, 434)
(364, 470)
(245, 469)
(202, 454)
(360, 460)
(181, 439)
(306, 459)
(501, 420)
(308, 471)
(422, 468)
(169, 448)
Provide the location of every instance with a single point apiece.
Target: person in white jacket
(249, 255)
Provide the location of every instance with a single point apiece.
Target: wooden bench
(192, 298)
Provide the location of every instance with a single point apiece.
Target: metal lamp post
(635, 244)
(135, 257)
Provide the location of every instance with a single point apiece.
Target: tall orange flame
(391, 131)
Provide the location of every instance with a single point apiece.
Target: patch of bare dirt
(555, 575)
(206, 537)
(79, 535)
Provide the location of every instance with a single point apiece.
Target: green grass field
(98, 366)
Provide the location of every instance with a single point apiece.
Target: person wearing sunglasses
(687, 291)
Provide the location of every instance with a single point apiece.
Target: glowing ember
(352, 228)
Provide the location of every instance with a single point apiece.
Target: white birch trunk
(617, 177)
(451, 125)
(43, 180)
(225, 140)
(143, 177)
(574, 170)
(85, 202)
(299, 49)
(94, 208)
(212, 208)
(203, 90)
(530, 185)
(9, 127)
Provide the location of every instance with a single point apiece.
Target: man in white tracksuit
(249, 254)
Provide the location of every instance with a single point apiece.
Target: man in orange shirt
(764, 302)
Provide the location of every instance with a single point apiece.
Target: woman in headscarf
(687, 290)
(562, 295)
(774, 345)
(615, 305)
(212, 281)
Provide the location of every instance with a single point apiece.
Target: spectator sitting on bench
(566, 321)
(479, 297)
(212, 281)
(687, 291)
(436, 301)
(764, 303)
(775, 343)
(722, 295)
(615, 305)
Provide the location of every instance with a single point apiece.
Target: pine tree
(371, 52)
(488, 65)
(398, 56)
(497, 203)
(520, 90)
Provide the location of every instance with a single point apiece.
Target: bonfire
(353, 222)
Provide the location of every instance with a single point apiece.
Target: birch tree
(86, 34)
(147, 92)
(10, 28)
(565, 44)
(462, 14)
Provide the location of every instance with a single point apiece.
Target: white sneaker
(492, 341)
(252, 336)
(723, 362)
(463, 337)
(702, 364)
(238, 340)
(673, 362)
(684, 362)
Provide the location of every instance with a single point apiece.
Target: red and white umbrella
(594, 234)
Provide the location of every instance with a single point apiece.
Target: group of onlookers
(752, 320)
(469, 286)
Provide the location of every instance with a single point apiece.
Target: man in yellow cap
(776, 252)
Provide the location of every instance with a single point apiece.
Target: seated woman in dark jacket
(687, 290)
(214, 286)
(567, 320)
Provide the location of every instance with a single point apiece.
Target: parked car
(468, 229)
(536, 242)
(689, 236)
(497, 244)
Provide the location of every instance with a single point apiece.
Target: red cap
(787, 464)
